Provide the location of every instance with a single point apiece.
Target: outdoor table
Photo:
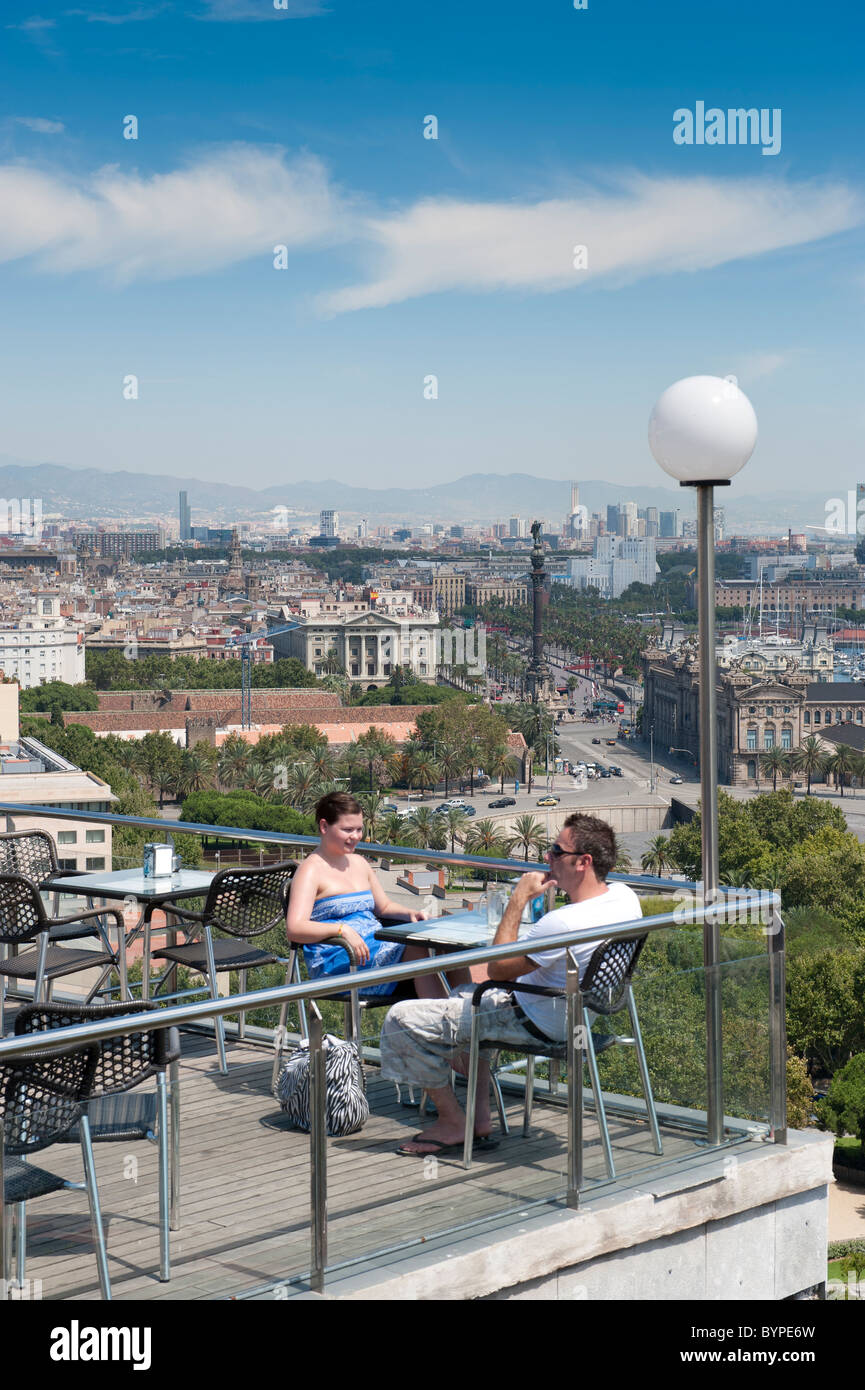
(458, 931)
(149, 892)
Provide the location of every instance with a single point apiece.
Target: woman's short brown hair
(337, 804)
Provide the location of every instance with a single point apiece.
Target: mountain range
(92, 494)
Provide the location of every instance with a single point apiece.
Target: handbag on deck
(347, 1109)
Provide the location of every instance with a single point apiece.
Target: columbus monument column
(538, 673)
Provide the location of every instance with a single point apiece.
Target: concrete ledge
(752, 1199)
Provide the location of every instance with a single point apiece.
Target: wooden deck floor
(245, 1188)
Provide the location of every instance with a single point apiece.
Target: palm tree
(197, 768)
(485, 838)
(623, 860)
(841, 763)
(372, 816)
(471, 755)
(809, 758)
(332, 664)
(165, 780)
(423, 824)
(773, 761)
(657, 857)
(378, 749)
(234, 758)
(456, 822)
(302, 786)
(529, 834)
(449, 761)
(323, 763)
(859, 768)
(500, 763)
(424, 770)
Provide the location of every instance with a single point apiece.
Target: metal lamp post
(702, 431)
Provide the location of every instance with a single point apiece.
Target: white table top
(131, 883)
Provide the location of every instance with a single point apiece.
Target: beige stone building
(368, 645)
(761, 704)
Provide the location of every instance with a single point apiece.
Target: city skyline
(143, 305)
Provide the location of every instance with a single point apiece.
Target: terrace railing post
(317, 1150)
(174, 1106)
(777, 1027)
(576, 1039)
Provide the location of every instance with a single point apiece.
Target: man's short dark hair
(595, 837)
(336, 804)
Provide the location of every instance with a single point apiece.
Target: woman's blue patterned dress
(355, 910)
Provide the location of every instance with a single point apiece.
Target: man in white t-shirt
(422, 1039)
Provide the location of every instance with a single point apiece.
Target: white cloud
(761, 364)
(41, 125)
(233, 204)
(236, 203)
(33, 23)
(233, 11)
(134, 16)
(644, 226)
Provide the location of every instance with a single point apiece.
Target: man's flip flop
(482, 1141)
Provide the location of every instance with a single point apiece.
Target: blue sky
(408, 257)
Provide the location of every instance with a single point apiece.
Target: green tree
(773, 761)
(808, 758)
(825, 1016)
(456, 825)
(658, 857)
(842, 764)
(844, 1107)
(528, 835)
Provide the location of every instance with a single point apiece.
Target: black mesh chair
(115, 1116)
(33, 853)
(243, 904)
(24, 919)
(606, 988)
(42, 1097)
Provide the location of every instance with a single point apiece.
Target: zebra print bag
(347, 1109)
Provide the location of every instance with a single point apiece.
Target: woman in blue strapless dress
(357, 911)
(335, 893)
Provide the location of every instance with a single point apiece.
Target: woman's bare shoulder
(309, 869)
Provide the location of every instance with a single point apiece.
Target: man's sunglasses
(556, 852)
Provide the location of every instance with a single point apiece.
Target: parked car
(503, 801)
(616, 771)
(605, 772)
(547, 801)
(677, 780)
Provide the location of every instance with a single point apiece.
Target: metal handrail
(326, 985)
(323, 987)
(281, 837)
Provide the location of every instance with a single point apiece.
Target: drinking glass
(496, 907)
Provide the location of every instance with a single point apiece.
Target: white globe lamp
(703, 430)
